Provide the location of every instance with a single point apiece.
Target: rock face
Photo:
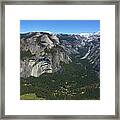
(85, 46)
(42, 52)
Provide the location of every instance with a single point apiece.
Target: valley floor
(75, 81)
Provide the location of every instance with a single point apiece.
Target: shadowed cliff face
(43, 52)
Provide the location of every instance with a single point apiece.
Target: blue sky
(60, 26)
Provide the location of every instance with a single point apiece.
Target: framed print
(60, 59)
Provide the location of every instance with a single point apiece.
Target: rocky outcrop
(41, 53)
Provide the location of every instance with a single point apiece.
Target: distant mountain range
(87, 34)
